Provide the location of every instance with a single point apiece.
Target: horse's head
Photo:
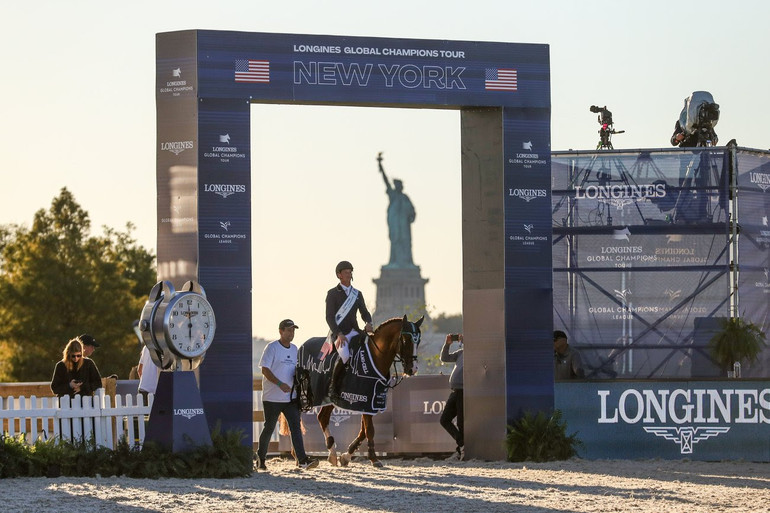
(410, 340)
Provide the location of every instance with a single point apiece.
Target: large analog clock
(188, 324)
(177, 326)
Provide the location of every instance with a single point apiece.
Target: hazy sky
(78, 86)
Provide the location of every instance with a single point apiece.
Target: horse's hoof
(377, 463)
(345, 459)
(332, 457)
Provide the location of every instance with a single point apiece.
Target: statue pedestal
(399, 291)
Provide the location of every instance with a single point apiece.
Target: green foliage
(57, 282)
(444, 323)
(540, 438)
(737, 341)
(227, 457)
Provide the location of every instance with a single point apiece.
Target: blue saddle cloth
(364, 389)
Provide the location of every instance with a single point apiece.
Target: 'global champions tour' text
(683, 406)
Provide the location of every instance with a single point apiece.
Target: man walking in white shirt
(278, 363)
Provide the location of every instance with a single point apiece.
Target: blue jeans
(291, 412)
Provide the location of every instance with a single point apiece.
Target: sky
(78, 85)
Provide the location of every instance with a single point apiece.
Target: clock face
(189, 324)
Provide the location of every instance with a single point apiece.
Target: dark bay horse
(396, 339)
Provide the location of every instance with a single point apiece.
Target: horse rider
(342, 303)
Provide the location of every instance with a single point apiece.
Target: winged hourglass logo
(687, 436)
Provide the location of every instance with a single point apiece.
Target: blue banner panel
(528, 273)
(364, 70)
(696, 420)
(753, 198)
(640, 252)
(224, 249)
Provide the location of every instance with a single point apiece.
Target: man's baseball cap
(88, 340)
(287, 323)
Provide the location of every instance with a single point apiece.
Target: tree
(57, 281)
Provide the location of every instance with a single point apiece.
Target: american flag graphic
(501, 80)
(248, 70)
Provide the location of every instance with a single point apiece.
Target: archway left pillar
(204, 219)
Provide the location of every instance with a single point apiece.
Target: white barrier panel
(77, 419)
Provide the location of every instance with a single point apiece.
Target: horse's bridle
(414, 335)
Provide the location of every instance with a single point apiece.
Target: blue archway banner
(206, 81)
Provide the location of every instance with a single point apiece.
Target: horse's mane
(388, 322)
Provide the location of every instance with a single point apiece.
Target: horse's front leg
(353, 447)
(324, 416)
(368, 421)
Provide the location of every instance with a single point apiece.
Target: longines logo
(528, 194)
(620, 195)
(177, 85)
(686, 436)
(527, 160)
(224, 151)
(678, 409)
(176, 147)
(224, 189)
(188, 413)
(354, 398)
(761, 180)
(338, 415)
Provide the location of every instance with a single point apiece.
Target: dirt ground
(419, 485)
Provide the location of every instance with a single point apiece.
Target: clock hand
(189, 322)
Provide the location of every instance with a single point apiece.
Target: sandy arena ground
(419, 485)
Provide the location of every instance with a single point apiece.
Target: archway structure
(206, 81)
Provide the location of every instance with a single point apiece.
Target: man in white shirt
(278, 363)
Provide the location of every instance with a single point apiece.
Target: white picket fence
(76, 419)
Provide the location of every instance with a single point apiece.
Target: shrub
(540, 438)
(737, 340)
(227, 457)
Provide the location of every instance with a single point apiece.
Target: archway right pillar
(507, 272)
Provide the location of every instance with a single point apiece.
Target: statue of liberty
(401, 215)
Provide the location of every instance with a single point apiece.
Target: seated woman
(75, 374)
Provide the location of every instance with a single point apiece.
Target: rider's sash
(346, 306)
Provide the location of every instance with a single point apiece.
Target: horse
(395, 340)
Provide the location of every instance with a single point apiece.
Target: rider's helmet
(342, 266)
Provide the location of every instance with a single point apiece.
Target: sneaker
(461, 452)
(261, 464)
(308, 463)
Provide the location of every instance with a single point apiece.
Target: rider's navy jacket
(334, 299)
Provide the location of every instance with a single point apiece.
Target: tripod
(607, 128)
(605, 137)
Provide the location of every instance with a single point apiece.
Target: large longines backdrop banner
(641, 258)
(652, 249)
(206, 81)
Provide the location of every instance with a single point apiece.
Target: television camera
(607, 128)
(699, 117)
